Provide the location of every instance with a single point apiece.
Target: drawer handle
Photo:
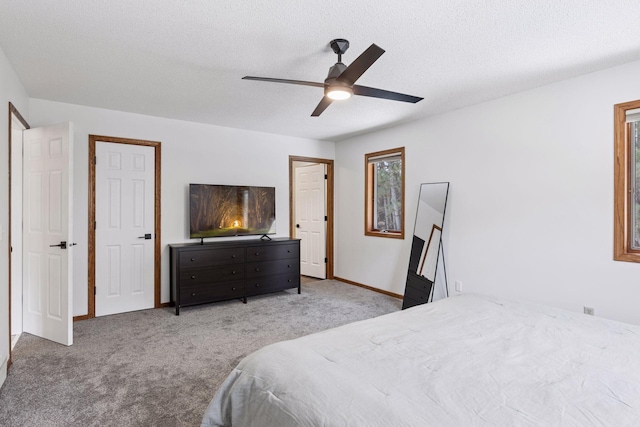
(257, 269)
(233, 289)
(288, 251)
(257, 285)
(257, 253)
(193, 294)
(233, 272)
(233, 256)
(289, 280)
(193, 259)
(288, 265)
(193, 277)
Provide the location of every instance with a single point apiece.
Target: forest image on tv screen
(224, 210)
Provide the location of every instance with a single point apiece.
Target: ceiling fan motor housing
(339, 46)
(334, 72)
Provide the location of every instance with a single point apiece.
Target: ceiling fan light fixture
(338, 92)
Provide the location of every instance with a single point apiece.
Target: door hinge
(326, 176)
(95, 225)
(95, 291)
(95, 160)
(326, 260)
(325, 218)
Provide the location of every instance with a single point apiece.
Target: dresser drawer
(408, 303)
(223, 273)
(263, 285)
(196, 294)
(269, 252)
(421, 283)
(211, 256)
(415, 294)
(269, 268)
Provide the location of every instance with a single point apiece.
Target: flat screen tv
(231, 210)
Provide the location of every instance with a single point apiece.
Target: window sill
(387, 234)
(627, 256)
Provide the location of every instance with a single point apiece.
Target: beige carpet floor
(152, 368)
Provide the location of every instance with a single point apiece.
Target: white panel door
(310, 219)
(47, 218)
(125, 226)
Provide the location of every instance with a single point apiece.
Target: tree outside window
(634, 134)
(384, 193)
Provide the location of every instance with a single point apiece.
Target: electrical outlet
(458, 285)
(589, 311)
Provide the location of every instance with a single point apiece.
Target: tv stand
(232, 269)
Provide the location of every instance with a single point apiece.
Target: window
(384, 193)
(627, 182)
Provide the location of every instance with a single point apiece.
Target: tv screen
(231, 210)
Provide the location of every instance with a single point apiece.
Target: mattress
(467, 360)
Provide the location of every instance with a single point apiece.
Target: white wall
(191, 153)
(428, 217)
(11, 90)
(530, 212)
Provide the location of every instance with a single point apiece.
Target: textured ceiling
(185, 59)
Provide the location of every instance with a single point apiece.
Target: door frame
(13, 111)
(328, 201)
(91, 282)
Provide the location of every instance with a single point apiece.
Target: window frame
(622, 217)
(369, 179)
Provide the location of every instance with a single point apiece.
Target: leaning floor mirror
(426, 248)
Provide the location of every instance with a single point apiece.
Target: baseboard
(86, 316)
(3, 369)
(380, 291)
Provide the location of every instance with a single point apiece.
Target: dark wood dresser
(417, 290)
(218, 271)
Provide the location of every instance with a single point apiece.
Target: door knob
(297, 225)
(61, 245)
(146, 236)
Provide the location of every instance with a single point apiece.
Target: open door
(310, 217)
(47, 222)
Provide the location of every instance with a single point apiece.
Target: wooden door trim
(92, 218)
(329, 201)
(13, 111)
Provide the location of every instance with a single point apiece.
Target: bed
(468, 360)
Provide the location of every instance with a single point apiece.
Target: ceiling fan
(339, 84)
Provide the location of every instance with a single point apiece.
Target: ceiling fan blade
(293, 82)
(384, 94)
(324, 103)
(360, 65)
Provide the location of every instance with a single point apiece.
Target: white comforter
(464, 361)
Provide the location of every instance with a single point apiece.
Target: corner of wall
(3, 369)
